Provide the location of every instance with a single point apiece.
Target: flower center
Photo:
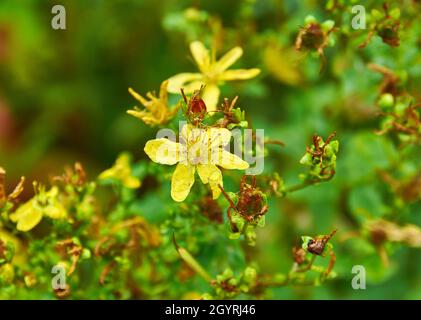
(198, 153)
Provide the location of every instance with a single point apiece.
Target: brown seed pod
(316, 246)
(196, 107)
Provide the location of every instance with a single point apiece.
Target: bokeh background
(63, 98)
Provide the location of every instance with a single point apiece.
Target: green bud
(395, 13)
(76, 241)
(244, 124)
(331, 149)
(227, 274)
(404, 137)
(307, 160)
(244, 288)
(328, 25)
(386, 101)
(376, 14)
(400, 108)
(238, 115)
(86, 254)
(250, 275)
(207, 296)
(310, 19)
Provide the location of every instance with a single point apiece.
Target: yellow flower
(20, 256)
(157, 111)
(30, 213)
(199, 150)
(121, 171)
(211, 74)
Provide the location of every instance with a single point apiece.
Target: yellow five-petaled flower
(212, 73)
(44, 203)
(200, 150)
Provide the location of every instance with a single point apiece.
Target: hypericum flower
(157, 110)
(43, 203)
(122, 172)
(199, 149)
(20, 252)
(211, 74)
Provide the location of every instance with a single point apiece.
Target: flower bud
(386, 101)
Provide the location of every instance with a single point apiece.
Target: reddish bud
(197, 105)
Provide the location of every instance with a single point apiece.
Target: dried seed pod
(196, 107)
(318, 244)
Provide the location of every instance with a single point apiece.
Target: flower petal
(219, 137)
(200, 55)
(27, 216)
(138, 97)
(228, 59)
(228, 160)
(239, 74)
(191, 135)
(187, 81)
(212, 175)
(182, 181)
(164, 151)
(210, 96)
(194, 85)
(55, 210)
(145, 116)
(131, 182)
(163, 92)
(29, 221)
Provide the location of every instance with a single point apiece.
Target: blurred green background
(63, 98)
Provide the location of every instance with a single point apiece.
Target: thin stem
(299, 186)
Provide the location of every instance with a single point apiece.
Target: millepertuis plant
(190, 221)
(127, 251)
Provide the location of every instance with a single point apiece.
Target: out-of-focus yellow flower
(19, 257)
(282, 64)
(199, 150)
(156, 111)
(212, 73)
(45, 203)
(121, 171)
